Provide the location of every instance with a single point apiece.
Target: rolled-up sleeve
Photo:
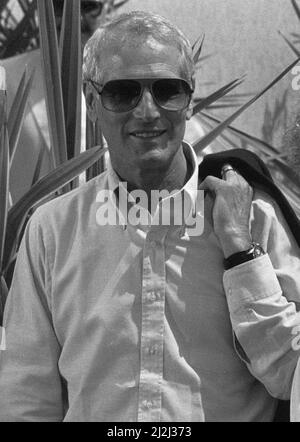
(30, 384)
(263, 298)
(295, 397)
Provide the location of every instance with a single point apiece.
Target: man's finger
(227, 171)
(210, 183)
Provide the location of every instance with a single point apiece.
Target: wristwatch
(253, 252)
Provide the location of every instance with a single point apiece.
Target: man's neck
(173, 178)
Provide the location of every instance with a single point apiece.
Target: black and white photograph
(149, 214)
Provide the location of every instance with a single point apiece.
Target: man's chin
(155, 158)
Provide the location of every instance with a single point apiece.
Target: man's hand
(231, 211)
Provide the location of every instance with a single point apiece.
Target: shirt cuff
(250, 281)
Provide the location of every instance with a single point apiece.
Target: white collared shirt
(133, 323)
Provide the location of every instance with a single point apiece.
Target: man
(113, 316)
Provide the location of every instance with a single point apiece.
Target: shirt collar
(190, 188)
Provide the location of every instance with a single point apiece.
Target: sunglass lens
(121, 95)
(171, 94)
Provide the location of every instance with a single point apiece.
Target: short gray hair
(136, 24)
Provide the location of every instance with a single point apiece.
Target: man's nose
(146, 109)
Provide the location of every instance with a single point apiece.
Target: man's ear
(189, 112)
(91, 102)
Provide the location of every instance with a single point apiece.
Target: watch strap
(238, 258)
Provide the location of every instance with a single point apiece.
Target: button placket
(152, 330)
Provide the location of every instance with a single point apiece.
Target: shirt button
(152, 297)
(153, 244)
(152, 350)
(147, 404)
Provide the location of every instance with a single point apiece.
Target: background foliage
(19, 30)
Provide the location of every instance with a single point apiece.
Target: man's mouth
(148, 134)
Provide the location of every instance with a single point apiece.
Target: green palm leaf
(3, 296)
(208, 138)
(294, 49)
(17, 113)
(16, 103)
(52, 78)
(296, 8)
(4, 163)
(202, 59)
(46, 186)
(38, 167)
(205, 102)
(244, 136)
(197, 54)
(71, 74)
(4, 181)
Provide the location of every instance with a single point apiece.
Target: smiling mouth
(149, 134)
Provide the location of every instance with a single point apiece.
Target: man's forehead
(149, 58)
(119, 41)
(139, 50)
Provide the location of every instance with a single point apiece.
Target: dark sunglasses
(171, 94)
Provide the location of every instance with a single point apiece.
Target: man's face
(146, 137)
